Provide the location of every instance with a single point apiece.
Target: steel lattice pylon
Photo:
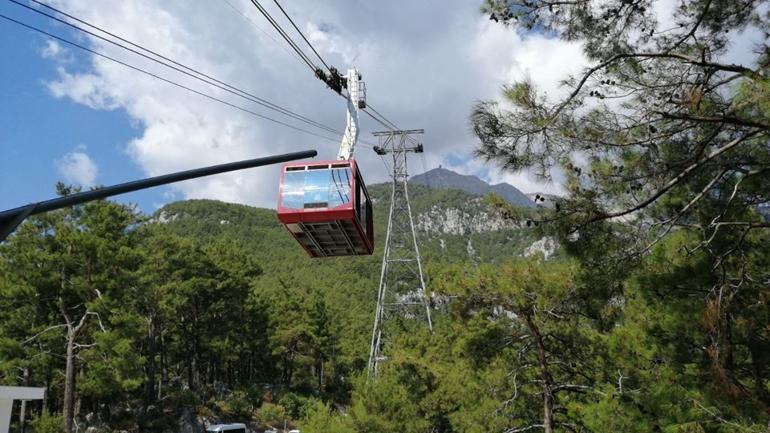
(401, 294)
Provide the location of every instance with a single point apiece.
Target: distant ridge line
(442, 178)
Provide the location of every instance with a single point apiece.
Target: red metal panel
(288, 216)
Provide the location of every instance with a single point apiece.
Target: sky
(69, 116)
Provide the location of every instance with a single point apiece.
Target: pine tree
(664, 147)
(63, 268)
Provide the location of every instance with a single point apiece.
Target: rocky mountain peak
(442, 178)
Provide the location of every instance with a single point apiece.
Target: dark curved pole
(10, 219)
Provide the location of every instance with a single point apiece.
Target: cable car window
(358, 199)
(318, 188)
(293, 189)
(365, 213)
(339, 187)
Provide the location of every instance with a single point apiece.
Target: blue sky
(37, 129)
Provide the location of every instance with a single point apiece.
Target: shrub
(47, 423)
(296, 405)
(239, 405)
(271, 414)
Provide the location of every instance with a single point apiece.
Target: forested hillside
(206, 311)
(452, 225)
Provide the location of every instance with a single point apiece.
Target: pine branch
(32, 338)
(673, 182)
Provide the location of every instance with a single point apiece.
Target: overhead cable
(194, 73)
(392, 125)
(301, 34)
(284, 35)
(166, 80)
(246, 17)
(379, 118)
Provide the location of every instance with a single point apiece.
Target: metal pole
(11, 218)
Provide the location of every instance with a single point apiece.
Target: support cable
(166, 80)
(285, 35)
(301, 34)
(379, 118)
(179, 66)
(392, 125)
(246, 17)
(382, 120)
(425, 170)
(213, 81)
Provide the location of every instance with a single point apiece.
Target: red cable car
(326, 207)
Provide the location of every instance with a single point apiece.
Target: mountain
(455, 225)
(451, 225)
(441, 178)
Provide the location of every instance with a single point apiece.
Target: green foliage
(238, 406)
(47, 423)
(666, 212)
(296, 405)
(321, 419)
(520, 94)
(271, 414)
(387, 406)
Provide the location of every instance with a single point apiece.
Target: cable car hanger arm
(356, 99)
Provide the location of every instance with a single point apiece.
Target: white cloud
(88, 89)
(743, 42)
(52, 49)
(77, 167)
(425, 64)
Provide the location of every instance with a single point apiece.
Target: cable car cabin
(326, 207)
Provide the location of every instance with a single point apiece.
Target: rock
(453, 221)
(189, 424)
(545, 246)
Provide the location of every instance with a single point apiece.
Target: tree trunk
(44, 409)
(22, 415)
(318, 372)
(545, 374)
(149, 383)
(69, 383)
(163, 367)
(69, 372)
(190, 368)
(23, 409)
